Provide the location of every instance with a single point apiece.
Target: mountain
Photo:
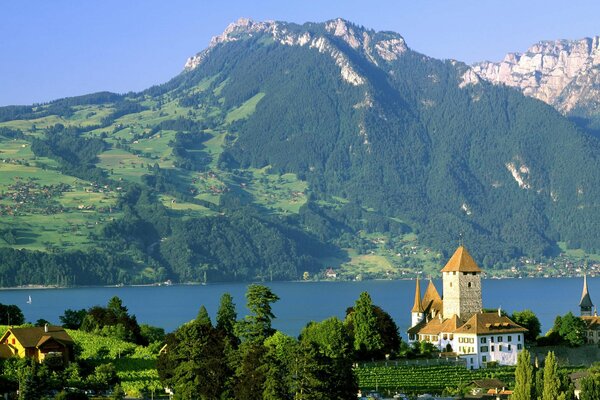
(562, 73)
(285, 148)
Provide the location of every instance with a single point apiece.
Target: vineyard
(421, 379)
(135, 365)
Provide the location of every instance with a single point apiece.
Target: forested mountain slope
(282, 149)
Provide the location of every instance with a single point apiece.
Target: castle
(456, 323)
(592, 321)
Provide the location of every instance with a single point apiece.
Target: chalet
(457, 324)
(37, 342)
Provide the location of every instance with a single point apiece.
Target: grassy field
(245, 110)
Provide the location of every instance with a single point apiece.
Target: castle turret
(462, 285)
(417, 311)
(585, 305)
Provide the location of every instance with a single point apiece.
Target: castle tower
(417, 310)
(462, 285)
(585, 305)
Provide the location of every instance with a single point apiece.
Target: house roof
(586, 301)
(592, 322)
(37, 336)
(417, 307)
(461, 261)
(489, 383)
(486, 323)
(435, 326)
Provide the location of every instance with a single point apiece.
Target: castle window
(453, 272)
(483, 340)
(469, 284)
(450, 284)
(519, 346)
(465, 273)
(509, 338)
(492, 348)
(445, 336)
(483, 358)
(483, 349)
(518, 338)
(491, 339)
(499, 339)
(500, 347)
(509, 347)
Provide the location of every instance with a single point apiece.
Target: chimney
(46, 328)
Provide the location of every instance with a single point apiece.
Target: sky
(60, 48)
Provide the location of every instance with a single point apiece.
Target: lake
(300, 302)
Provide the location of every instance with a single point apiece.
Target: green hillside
(265, 161)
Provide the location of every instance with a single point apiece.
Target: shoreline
(162, 284)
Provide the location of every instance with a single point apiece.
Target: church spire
(585, 304)
(417, 307)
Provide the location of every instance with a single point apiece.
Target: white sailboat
(29, 300)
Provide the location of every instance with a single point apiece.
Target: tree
(10, 314)
(72, 319)
(226, 315)
(367, 339)
(529, 320)
(523, 377)
(152, 334)
(335, 345)
(203, 318)
(590, 387)
(572, 330)
(551, 379)
(278, 360)
(193, 364)
(257, 326)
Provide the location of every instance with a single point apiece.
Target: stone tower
(462, 285)
(417, 310)
(585, 305)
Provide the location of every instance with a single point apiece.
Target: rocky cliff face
(376, 47)
(562, 73)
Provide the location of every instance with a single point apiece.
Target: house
(38, 343)
(489, 388)
(456, 322)
(330, 273)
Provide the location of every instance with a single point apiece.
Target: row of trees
(248, 359)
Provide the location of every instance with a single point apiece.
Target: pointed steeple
(585, 304)
(417, 307)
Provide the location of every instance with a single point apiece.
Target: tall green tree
(590, 387)
(257, 326)
(226, 315)
(279, 358)
(367, 339)
(523, 377)
(193, 364)
(529, 320)
(551, 378)
(203, 318)
(335, 345)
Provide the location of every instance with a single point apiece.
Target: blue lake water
(300, 302)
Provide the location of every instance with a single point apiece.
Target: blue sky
(59, 48)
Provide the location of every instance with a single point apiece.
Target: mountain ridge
(340, 142)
